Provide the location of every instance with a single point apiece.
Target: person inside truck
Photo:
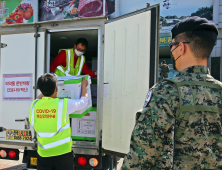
(70, 62)
(49, 117)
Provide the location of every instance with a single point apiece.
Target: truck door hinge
(3, 45)
(36, 35)
(103, 39)
(35, 87)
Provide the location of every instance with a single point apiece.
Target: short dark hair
(83, 41)
(47, 84)
(201, 42)
(164, 61)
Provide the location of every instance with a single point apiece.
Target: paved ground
(18, 165)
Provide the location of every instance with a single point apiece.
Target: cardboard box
(70, 87)
(84, 128)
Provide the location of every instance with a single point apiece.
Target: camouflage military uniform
(164, 71)
(199, 145)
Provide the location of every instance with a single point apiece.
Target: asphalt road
(18, 165)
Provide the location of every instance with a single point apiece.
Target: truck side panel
(18, 58)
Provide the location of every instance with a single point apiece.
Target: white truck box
(126, 48)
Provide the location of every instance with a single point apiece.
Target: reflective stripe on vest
(45, 134)
(59, 121)
(65, 72)
(68, 68)
(33, 111)
(81, 65)
(69, 57)
(53, 144)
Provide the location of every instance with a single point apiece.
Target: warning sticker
(18, 135)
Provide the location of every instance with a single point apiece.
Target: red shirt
(61, 60)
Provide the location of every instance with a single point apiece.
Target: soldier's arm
(168, 69)
(152, 138)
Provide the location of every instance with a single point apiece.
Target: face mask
(173, 60)
(78, 53)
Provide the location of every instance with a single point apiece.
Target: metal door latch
(2, 45)
(27, 124)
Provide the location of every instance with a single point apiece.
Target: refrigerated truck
(126, 49)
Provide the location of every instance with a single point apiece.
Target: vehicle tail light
(93, 162)
(12, 154)
(3, 153)
(82, 161)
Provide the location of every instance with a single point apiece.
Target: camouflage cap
(193, 23)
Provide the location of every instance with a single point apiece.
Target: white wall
(217, 19)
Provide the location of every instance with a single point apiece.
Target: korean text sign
(17, 87)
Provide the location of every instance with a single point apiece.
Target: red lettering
(27, 83)
(43, 111)
(10, 83)
(24, 89)
(44, 115)
(53, 110)
(47, 111)
(10, 90)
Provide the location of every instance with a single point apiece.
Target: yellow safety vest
(48, 118)
(70, 70)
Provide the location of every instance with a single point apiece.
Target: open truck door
(130, 69)
(18, 74)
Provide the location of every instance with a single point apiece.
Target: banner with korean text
(17, 87)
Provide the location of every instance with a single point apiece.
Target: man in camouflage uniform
(164, 70)
(190, 103)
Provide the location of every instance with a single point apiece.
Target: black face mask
(173, 60)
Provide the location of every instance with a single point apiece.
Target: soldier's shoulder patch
(148, 97)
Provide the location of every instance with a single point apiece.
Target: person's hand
(84, 82)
